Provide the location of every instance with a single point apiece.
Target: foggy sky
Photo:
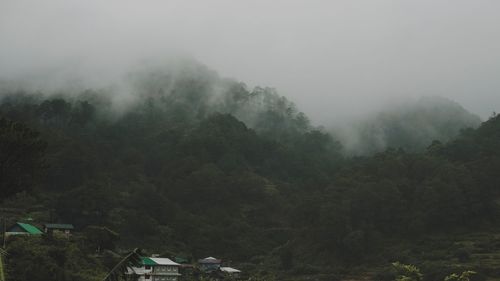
(333, 58)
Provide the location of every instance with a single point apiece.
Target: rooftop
(29, 228)
(229, 270)
(158, 261)
(59, 226)
(209, 260)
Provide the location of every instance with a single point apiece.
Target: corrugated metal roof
(148, 261)
(59, 226)
(229, 270)
(29, 228)
(158, 261)
(209, 260)
(164, 261)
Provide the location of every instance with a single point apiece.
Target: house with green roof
(156, 269)
(20, 228)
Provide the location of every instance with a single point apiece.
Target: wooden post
(4, 230)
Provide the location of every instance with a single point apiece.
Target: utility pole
(4, 231)
(2, 267)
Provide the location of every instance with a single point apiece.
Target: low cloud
(335, 59)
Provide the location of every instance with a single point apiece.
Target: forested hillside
(411, 125)
(202, 166)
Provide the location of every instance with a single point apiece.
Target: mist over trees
(196, 165)
(412, 126)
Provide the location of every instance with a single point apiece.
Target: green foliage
(205, 167)
(464, 276)
(407, 272)
(21, 157)
(36, 258)
(100, 238)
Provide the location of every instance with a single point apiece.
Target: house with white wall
(156, 269)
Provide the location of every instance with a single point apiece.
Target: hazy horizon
(334, 59)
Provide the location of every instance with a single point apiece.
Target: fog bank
(335, 59)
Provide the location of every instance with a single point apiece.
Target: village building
(233, 272)
(156, 269)
(51, 228)
(209, 264)
(20, 228)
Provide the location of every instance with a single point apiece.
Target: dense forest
(195, 165)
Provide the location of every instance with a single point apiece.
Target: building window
(147, 267)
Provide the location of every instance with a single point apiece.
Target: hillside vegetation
(202, 166)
